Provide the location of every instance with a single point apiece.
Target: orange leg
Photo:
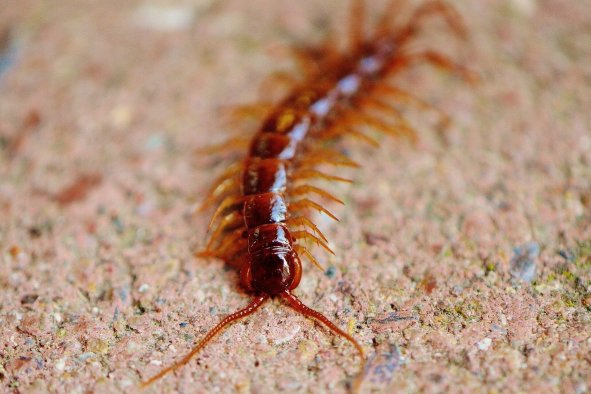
(227, 248)
(408, 98)
(357, 18)
(303, 221)
(308, 204)
(304, 235)
(400, 128)
(277, 83)
(232, 144)
(238, 113)
(310, 174)
(388, 18)
(296, 304)
(303, 251)
(360, 136)
(306, 189)
(436, 7)
(228, 205)
(335, 157)
(228, 320)
(445, 63)
(228, 223)
(225, 183)
(325, 159)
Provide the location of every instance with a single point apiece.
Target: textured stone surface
(102, 106)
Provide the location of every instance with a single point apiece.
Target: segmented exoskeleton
(261, 225)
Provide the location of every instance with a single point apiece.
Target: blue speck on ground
(523, 262)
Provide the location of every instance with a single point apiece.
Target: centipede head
(272, 272)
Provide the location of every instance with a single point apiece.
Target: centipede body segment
(262, 225)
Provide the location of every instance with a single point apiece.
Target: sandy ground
(462, 264)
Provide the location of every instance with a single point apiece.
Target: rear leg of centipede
(388, 20)
(443, 62)
(356, 24)
(401, 96)
(434, 8)
(365, 118)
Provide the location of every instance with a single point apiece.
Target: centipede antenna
(228, 320)
(296, 304)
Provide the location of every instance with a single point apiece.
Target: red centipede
(261, 224)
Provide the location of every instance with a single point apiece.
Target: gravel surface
(463, 262)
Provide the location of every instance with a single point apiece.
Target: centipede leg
(357, 19)
(239, 113)
(334, 157)
(307, 223)
(308, 204)
(228, 320)
(276, 83)
(437, 7)
(303, 251)
(225, 183)
(325, 159)
(353, 132)
(397, 129)
(296, 304)
(228, 223)
(307, 189)
(306, 173)
(224, 249)
(408, 98)
(228, 204)
(388, 17)
(229, 145)
(305, 235)
(443, 62)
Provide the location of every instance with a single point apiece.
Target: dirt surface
(463, 263)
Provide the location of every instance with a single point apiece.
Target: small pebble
(287, 337)
(307, 350)
(457, 290)
(523, 262)
(98, 346)
(86, 356)
(143, 288)
(499, 329)
(484, 344)
(29, 299)
(331, 271)
(164, 17)
(567, 254)
(60, 364)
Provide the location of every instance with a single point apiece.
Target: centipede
(263, 225)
